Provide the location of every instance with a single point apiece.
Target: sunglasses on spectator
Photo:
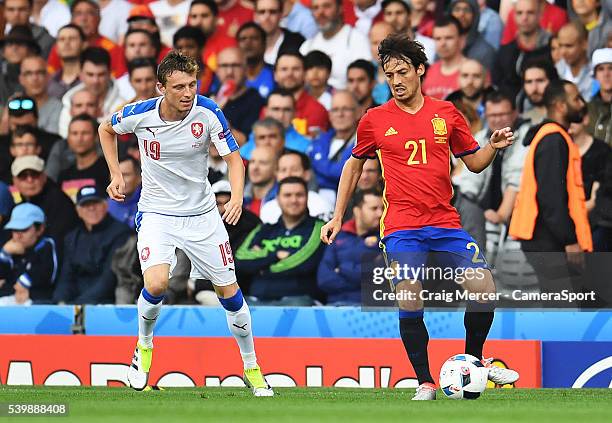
(21, 104)
(28, 174)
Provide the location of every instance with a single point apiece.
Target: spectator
(397, 13)
(141, 17)
(232, 15)
(28, 261)
(268, 14)
(379, 32)
(536, 75)
(422, 19)
(6, 203)
(61, 156)
(361, 14)
(467, 13)
(332, 149)
(490, 25)
(137, 44)
(241, 104)
(260, 170)
(280, 108)
(551, 20)
(143, 78)
(530, 41)
(217, 168)
(125, 212)
(113, 19)
(574, 65)
(310, 116)
(283, 257)
(18, 12)
(90, 167)
(297, 18)
(269, 132)
(442, 77)
(472, 86)
(336, 39)
(86, 276)
(170, 16)
(204, 14)
(34, 187)
(596, 16)
(361, 79)
(252, 41)
(24, 142)
(600, 119)
(86, 15)
(15, 46)
(70, 44)
(50, 14)
(293, 163)
(33, 78)
(318, 68)
(555, 51)
(339, 274)
(190, 41)
(371, 176)
(96, 78)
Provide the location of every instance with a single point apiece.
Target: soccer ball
(463, 376)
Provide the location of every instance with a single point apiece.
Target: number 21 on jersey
(413, 147)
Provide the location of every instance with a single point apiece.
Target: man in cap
(600, 106)
(28, 261)
(86, 276)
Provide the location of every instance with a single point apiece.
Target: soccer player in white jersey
(177, 207)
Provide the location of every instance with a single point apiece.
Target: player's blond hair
(176, 62)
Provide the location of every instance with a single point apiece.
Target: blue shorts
(449, 248)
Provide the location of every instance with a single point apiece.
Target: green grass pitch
(312, 405)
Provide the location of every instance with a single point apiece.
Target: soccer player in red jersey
(413, 136)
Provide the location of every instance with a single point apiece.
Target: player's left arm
(480, 159)
(235, 167)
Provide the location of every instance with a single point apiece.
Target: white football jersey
(174, 155)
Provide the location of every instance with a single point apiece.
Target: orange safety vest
(526, 207)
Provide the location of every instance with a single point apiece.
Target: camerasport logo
(145, 253)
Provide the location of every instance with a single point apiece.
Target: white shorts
(203, 238)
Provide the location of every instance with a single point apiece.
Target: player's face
(534, 83)
(281, 108)
(292, 199)
(201, 16)
(138, 45)
(95, 77)
(289, 73)
(471, 78)
(369, 213)
(143, 81)
(81, 137)
(448, 41)
(370, 175)
(359, 84)
(291, 165)
(180, 90)
(268, 137)
(69, 43)
(403, 79)
(396, 15)
(499, 115)
(268, 14)
(84, 102)
(92, 212)
(603, 74)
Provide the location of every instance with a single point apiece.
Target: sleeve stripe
(467, 152)
(362, 157)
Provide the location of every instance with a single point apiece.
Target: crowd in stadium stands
(293, 78)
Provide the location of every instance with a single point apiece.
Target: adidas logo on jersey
(390, 131)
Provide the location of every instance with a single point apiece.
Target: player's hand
(501, 138)
(233, 211)
(116, 188)
(330, 230)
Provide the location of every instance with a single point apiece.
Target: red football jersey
(414, 151)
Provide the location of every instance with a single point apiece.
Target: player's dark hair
(496, 97)
(303, 157)
(84, 117)
(291, 53)
(256, 27)
(191, 33)
(283, 92)
(211, 4)
(21, 130)
(131, 159)
(360, 194)
(92, 3)
(292, 180)
(176, 62)
(539, 62)
(555, 91)
(76, 28)
(317, 59)
(364, 65)
(142, 62)
(401, 47)
(403, 3)
(446, 20)
(97, 56)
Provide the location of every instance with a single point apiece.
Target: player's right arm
(108, 141)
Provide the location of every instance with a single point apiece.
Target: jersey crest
(197, 129)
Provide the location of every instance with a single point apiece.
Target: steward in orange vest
(550, 211)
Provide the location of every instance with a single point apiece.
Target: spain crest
(439, 126)
(197, 129)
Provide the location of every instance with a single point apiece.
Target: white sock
(147, 317)
(239, 323)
